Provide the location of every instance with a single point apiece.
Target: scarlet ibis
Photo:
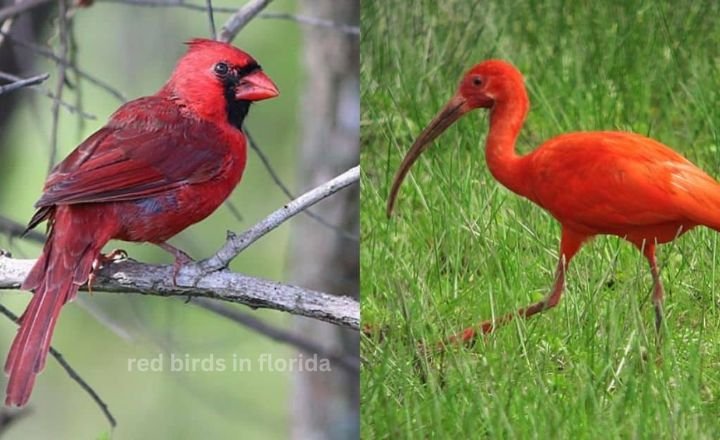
(593, 183)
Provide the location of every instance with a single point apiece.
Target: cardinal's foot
(181, 259)
(102, 260)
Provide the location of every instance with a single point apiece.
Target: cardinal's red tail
(65, 264)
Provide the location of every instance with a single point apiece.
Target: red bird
(161, 164)
(593, 183)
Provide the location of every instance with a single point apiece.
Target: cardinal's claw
(101, 260)
(181, 259)
(114, 255)
(91, 278)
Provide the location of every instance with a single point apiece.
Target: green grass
(461, 248)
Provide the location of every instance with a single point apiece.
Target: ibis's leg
(658, 291)
(570, 243)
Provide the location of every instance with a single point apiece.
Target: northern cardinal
(161, 164)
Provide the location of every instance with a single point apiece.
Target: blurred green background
(460, 248)
(135, 49)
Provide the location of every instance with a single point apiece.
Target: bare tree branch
(283, 336)
(274, 176)
(172, 4)
(312, 21)
(241, 18)
(301, 19)
(236, 244)
(234, 211)
(211, 19)
(14, 229)
(46, 92)
(40, 50)
(71, 372)
(8, 417)
(33, 80)
(133, 277)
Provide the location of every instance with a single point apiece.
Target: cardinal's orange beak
(255, 86)
(452, 111)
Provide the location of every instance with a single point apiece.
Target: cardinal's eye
(221, 69)
(477, 81)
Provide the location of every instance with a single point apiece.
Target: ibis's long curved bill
(452, 111)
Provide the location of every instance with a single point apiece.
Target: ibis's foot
(375, 332)
(181, 259)
(426, 354)
(102, 260)
(470, 335)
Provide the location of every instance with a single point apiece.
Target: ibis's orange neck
(506, 120)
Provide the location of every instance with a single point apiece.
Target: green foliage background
(460, 248)
(135, 49)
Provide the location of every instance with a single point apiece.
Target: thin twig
(79, 89)
(242, 17)
(33, 80)
(9, 417)
(62, 66)
(84, 385)
(40, 50)
(274, 176)
(233, 210)
(46, 92)
(301, 19)
(348, 363)
(237, 243)
(14, 229)
(71, 372)
(211, 19)
(173, 4)
(312, 21)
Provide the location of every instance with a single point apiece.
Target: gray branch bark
(242, 17)
(133, 277)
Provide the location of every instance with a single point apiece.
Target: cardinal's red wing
(148, 147)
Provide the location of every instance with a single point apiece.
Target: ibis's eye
(221, 69)
(477, 81)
